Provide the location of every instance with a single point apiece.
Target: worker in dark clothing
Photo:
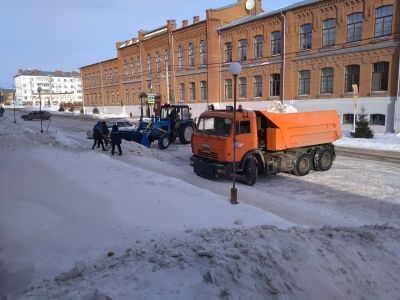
(115, 140)
(106, 132)
(98, 136)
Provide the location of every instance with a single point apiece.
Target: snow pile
(279, 108)
(258, 263)
(380, 141)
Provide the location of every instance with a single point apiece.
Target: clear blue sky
(68, 34)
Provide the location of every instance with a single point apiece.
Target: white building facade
(57, 88)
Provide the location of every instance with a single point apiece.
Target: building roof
(268, 14)
(98, 63)
(35, 72)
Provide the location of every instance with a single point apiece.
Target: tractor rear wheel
(323, 159)
(185, 134)
(302, 165)
(163, 141)
(250, 171)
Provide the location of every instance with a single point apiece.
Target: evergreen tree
(362, 127)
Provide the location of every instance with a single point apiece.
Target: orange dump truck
(266, 143)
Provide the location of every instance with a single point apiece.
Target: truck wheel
(323, 159)
(250, 171)
(163, 142)
(185, 134)
(302, 165)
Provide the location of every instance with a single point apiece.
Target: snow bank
(258, 263)
(278, 108)
(380, 141)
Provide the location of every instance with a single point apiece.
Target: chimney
(196, 19)
(171, 24)
(118, 45)
(185, 23)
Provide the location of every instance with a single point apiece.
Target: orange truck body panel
(296, 130)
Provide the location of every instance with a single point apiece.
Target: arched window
(327, 77)
(243, 50)
(180, 57)
(383, 21)
(380, 76)
(258, 46)
(191, 55)
(203, 53)
(352, 76)
(158, 60)
(354, 27)
(148, 63)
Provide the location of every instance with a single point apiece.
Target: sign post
(355, 102)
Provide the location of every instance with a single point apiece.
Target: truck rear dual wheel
(250, 171)
(323, 159)
(302, 165)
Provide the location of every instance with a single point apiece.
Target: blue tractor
(170, 121)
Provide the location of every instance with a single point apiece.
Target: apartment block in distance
(58, 87)
(314, 54)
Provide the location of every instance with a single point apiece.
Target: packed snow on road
(82, 224)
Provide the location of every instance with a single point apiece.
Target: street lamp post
(39, 89)
(235, 68)
(15, 120)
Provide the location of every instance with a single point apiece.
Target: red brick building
(327, 47)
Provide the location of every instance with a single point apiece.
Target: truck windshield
(218, 126)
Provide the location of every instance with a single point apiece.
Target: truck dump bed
(286, 131)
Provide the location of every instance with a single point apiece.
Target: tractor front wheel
(163, 141)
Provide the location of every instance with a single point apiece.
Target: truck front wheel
(250, 171)
(302, 165)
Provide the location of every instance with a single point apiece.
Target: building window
(348, 119)
(203, 90)
(258, 46)
(243, 50)
(228, 88)
(276, 43)
(180, 57)
(132, 67)
(329, 33)
(257, 86)
(228, 52)
(192, 91)
(242, 87)
(327, 77)
(275, 81)
(305, 37)
(148, 64)
(203, 53)
(354, 27)
(380, 72)
(383, 21)
(182, 92)
(126, 70)
(158, 60)
(127, 95)
(304, 82)
(352, 76)
(377, 119)
(191, 55)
